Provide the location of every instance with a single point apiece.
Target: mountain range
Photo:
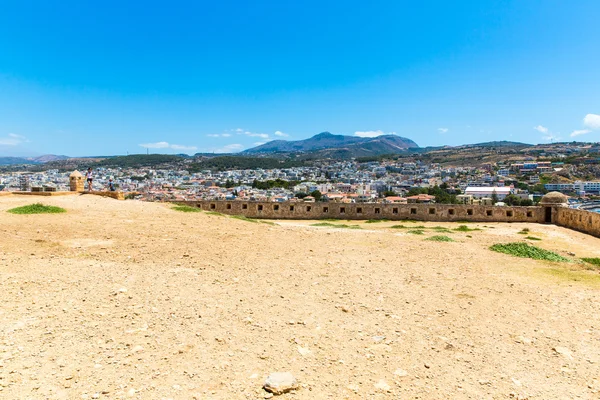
(31, 160)
(327, 144)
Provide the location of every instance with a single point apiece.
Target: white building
(479, 192)
(586, 187)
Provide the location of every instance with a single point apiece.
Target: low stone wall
(365, 211)
(114, 195)
(578, 220)
(44, 193)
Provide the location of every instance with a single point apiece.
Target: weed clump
(398, 227)
(187, 209)
(532, 238)
(464, 228)
(37, 208)
(440, 238)
(329, 225)
(244, 218)
(416, 231)
(525, 250)
(595, 262)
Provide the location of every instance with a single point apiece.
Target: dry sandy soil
(124, 299)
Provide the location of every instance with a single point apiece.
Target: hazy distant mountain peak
(327, 141)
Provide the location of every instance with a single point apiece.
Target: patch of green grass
(244, 218)
(441, 229)
(215, 213)
(440, 238)
(525, 250)
(524, 231)
(532, 238)
(374, 221)
(416, 231)
(330, 225)
(266, 222)
(464, 228)
(469, 236)
(407, 227)
(594, 262)
(37, 208)
(187, 209)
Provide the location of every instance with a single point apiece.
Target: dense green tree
(316, 194)
(276, 183)
(417, 191)
(539, 188)
(512, 200)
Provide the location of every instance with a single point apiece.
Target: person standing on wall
(89, 177)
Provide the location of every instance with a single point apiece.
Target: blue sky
(115, 77)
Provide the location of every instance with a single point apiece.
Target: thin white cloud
(592, 121)
(230, 148)
(219, 135)
(157, 145)
(541, 129)
(12, 139)
(371, 134)
(245, 132)
(442, 130)
(252, 134)
(580, 132)
(259, 143)
(181, 147)
(167, 145)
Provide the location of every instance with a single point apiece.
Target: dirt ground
(124, 299)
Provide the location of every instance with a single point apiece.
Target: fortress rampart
(579, 220)
(364, 211)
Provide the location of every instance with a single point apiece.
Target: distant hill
(138, 160)
(339, 146)
(47, 158)
(31, 160)
(501, 143)
(15, 161)
(228, 162)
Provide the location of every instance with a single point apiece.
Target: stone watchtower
(550, 202)
(76, 183)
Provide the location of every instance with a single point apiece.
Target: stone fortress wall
(579, 220)
(364, 211)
